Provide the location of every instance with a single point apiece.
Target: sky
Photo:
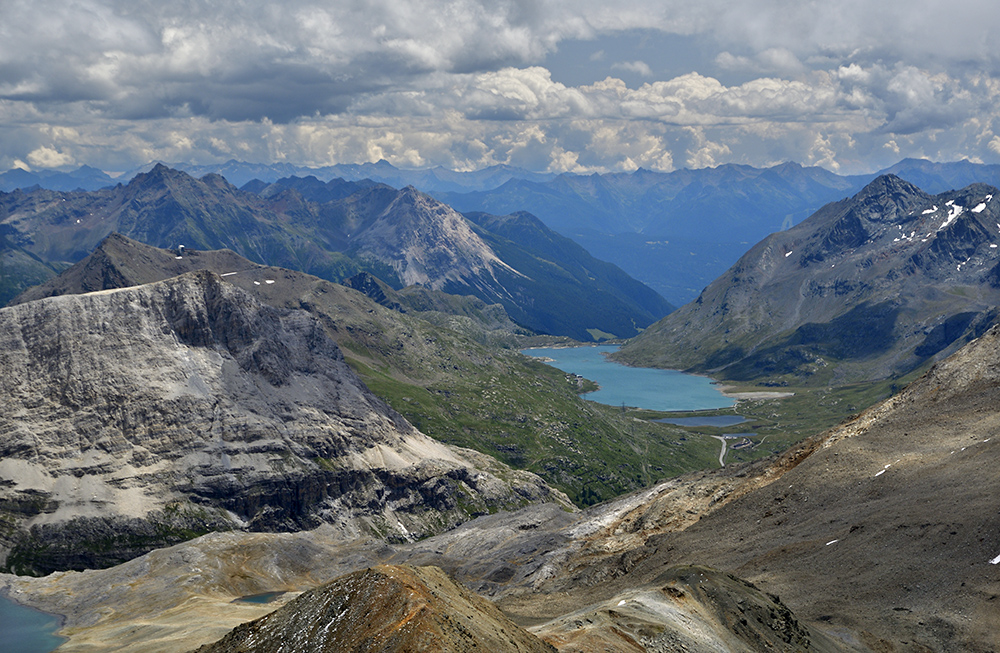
(549, 85)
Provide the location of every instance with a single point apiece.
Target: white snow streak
(995, 561)
(832, 542)
(227, 274)
(952, 214)
(979, 207)
(933, 210)
(789, 254)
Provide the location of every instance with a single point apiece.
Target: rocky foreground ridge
(141, 417)
(384, 608)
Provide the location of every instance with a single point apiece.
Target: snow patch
(979, 207)
(995, 561)
(952, 214)
(789, 254)
(932, 210)
(269, 281)
(832, 542)
(227, 274)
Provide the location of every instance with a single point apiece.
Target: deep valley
(313, 391)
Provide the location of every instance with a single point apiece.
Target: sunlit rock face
(144, 416)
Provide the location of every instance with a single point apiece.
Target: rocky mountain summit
(384, 608)
(144, 416)
(867, 288)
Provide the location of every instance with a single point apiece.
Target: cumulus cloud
(47, 157)
(638, 67)
(463, 84)
(769, 61)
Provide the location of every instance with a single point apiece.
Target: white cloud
(769, 61)
(48, 157)
(462, 84)
(639, 67)
(704, 153)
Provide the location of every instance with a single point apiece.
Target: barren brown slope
(889, 529)
(384, 608)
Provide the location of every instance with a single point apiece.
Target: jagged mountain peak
(887, 184)
(159, 174)
(163, 178)
(427, 242)
(332, 231)
(877, 283)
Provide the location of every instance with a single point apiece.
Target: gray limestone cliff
(140, 417)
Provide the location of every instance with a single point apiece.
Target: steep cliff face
(139, 417)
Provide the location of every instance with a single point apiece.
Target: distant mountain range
(870, 287)
(83, 178)
(544, 281)
(675, 231)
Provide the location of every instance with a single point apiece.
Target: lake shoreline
(636, 387)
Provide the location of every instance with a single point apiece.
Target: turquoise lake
(638, 387)
(25, 630)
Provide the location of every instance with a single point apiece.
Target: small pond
(266, 597)
(26, 630)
